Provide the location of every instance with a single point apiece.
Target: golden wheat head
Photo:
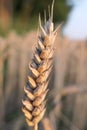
(40, 68)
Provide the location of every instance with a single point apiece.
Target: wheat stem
(36, 127)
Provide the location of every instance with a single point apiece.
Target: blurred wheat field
(66, 107)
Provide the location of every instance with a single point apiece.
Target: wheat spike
(40, 68)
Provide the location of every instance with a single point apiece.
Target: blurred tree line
(25, 10)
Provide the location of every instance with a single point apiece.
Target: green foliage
(25, 14)
(31, 8)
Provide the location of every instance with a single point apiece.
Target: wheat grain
(40, 68)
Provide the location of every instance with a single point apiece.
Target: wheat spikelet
(40, 68)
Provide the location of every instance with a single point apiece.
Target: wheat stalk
(40, 68)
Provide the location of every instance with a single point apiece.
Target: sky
(75, 27)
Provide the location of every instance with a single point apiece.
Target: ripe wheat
(40, 68)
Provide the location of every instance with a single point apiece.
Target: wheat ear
(40, 68)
